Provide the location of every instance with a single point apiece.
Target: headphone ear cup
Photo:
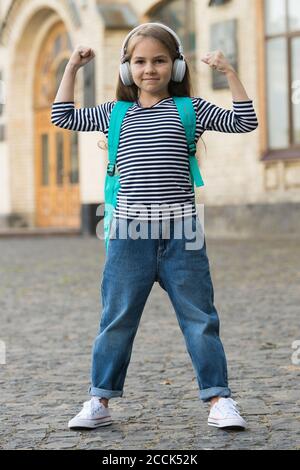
(125, 74)
(179, 68)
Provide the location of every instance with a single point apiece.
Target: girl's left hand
(217, 61)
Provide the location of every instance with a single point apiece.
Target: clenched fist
(217, 60)
(81, 56)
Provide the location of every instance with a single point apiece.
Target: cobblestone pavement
(49, 299)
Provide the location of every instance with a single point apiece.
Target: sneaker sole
(229, 423)
(89, 424)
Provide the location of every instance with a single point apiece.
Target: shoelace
(227, 407)
(91, 407)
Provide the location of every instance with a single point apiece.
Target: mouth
(151, 79)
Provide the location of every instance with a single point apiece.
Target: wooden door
(56, 149)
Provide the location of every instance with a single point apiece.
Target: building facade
(51, 177)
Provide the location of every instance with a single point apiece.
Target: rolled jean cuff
(101, 392)
(208, 393)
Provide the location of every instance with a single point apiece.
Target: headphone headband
(123, 49)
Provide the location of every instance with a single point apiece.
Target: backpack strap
(112, 183)
(116, 118)
(188, 118)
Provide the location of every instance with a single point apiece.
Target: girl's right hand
(81, 56)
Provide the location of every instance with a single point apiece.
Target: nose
(149, 68)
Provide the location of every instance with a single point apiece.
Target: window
(45, 160)
(89, 85)
(282, 36)
(59, 72)
(59, 159)
(74, 172)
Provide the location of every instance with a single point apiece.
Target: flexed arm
(218, 61)
(80, 57)
(64, 114)
(242, 118)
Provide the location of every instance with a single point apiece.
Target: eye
(157, 60)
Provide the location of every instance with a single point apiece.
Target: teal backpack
(112, 182)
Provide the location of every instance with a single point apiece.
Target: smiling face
(151, 59)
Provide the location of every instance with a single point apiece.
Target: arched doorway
(56, 149)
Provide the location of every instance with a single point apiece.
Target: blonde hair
(131, 92)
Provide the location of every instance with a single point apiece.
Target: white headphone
(179, 65)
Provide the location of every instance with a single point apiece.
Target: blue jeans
(131, 268)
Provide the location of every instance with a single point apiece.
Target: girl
(153, 164)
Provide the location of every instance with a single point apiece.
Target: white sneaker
(92, 415)
(224, 414)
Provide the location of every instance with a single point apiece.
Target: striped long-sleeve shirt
(152, 158)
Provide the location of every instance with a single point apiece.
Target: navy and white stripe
(152, 158)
